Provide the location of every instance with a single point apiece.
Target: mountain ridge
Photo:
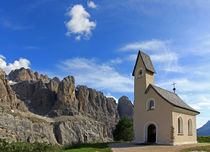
(204, 130)
(74, 114)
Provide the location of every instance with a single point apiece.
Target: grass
(85, 147)
(201, 139)
(27, 147)
(44, 147)
(201, 148)
(89, 147)
(204, 139)
(36, 120)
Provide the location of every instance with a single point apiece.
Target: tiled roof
(171, 98)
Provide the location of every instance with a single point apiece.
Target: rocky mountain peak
(7, 95)
(8, 98)
(95, 104)
(125, 107)
(23, 74)
(124, 99)
(56, 79)
(78, 114)
(66, 90)
(2, 73)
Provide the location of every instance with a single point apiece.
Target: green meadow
(86, 147)
(43, 147)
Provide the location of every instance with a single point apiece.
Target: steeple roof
(146, 61)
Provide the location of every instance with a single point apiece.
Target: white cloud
(11, 24)
(186, 85)
(99, 76)
(153, 45)
(190, 90)
(173, 68)
(168, 56)
(161, 57)
(202, 121)
(7, 67)
(168, 61)
(79, 23)
(200, 102)
(131, 57)
(78, 37)
(193, 92)
(91, 4)
(2, 57)
(116, 61)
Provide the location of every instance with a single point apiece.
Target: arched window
(180, 125)
(189, 127)
(151, 104)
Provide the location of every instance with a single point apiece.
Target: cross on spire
(174, 84)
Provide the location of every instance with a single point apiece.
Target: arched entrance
(151, 134)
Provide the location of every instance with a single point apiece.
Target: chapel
(160, 116)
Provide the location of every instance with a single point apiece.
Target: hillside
(35, 107)
(204, 130)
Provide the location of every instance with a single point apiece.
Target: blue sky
(97, 42)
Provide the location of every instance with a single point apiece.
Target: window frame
(148, 104)
(180, 126)
(190, 127)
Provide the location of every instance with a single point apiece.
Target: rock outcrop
(26, 74)
(94, 104)
(64, 130)
(74, 129)
(17, 127)
(7, 95)
(36, 95)
(125, 107)
(60, 113)
(37, 91)
(55, 98)
(53, 85)
(8, 98)
(66, 103)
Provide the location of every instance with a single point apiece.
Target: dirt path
(129, 147)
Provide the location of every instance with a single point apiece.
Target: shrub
(204, 139)
(123, 130)
(27, 147)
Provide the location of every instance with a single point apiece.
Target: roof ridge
(146, 61)
(176, 102)
(163, 89)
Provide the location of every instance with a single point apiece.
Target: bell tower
(143, 72)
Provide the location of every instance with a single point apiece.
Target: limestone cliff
(64, 130)
(59, 112)
(8, 98)
(26, 74)
(125, 107)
